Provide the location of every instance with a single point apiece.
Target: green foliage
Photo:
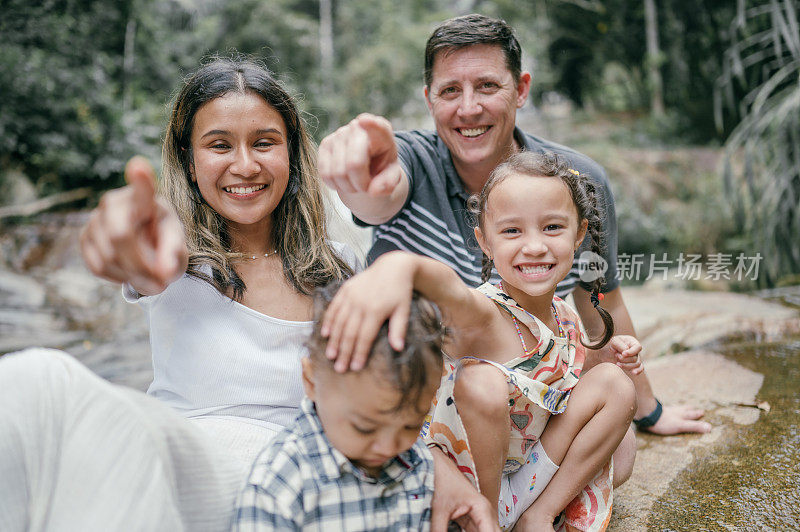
(86, 82)
(676, 206)
(762, 161)
(56, 114)
(63, 117)
(598, 52)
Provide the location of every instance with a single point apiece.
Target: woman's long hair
(298, 221)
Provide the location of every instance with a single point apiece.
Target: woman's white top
(214, 357)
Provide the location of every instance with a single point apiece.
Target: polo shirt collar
(522, 139)
(455, 187)
(335, 464)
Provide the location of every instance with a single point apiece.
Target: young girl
(516, 350)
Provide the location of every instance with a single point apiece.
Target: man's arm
(455, 499)
(674, 419)
(359, 161)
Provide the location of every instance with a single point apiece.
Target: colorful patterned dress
(540, 382)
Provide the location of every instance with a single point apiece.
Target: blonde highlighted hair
(299, 231)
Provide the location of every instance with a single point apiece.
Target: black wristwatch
(651, 419)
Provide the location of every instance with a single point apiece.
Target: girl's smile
(535, 271)
(531, 232)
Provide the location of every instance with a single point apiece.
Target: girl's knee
(482, 389)
(614, 385)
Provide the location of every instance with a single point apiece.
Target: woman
(228, 301)
(227, 335)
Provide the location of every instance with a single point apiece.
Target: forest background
(693, 106)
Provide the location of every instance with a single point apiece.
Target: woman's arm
(384, 291)
(135, 237)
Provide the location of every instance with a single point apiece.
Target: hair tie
(596, 298)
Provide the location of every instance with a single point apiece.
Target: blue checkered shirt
(300, 482)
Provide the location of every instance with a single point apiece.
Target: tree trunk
(653, 60)
(326, 43)
(127, 63)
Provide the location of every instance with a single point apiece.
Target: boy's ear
(308, 377)
(482, 242)
(581, 233)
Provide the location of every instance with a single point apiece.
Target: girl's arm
(623, 350)
(384, 291)
(135, 237)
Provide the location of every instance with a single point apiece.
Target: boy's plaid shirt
(301, 482)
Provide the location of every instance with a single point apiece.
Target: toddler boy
(352, 460)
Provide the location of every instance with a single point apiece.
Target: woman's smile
(244, 191)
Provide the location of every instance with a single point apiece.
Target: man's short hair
(468, 30)
(410, 370)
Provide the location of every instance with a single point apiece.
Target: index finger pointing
(139, 174)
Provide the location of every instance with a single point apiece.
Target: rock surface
(48, 298)
(671, 320)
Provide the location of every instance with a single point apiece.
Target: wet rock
(73, 287)
(669, 321)
(125, 360)
(699, 378)
(678, 320)
(789, 295)
(17, 341)
(15, 187)
(48, 298)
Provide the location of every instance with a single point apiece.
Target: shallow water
(751, 481)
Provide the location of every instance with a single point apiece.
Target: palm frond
(761, 171)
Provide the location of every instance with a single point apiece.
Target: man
(413, 186)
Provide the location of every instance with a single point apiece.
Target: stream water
(752, 481)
